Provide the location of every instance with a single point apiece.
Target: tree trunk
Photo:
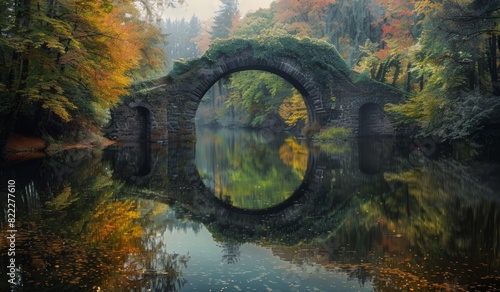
(408, 77)
(21, 60)
(397, 65)
(493, 65)
(472, 76)
(380, 72)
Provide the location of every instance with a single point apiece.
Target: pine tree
(224, 19)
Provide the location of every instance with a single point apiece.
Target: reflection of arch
(313, 209)
(374, 154)
(131, 162)
(296, 196)
(205, 202)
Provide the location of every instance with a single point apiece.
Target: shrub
(333, 133)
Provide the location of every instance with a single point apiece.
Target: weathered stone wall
(186, 91)
(360, 107)
(128, 124)
(171, 102)
(142, 117)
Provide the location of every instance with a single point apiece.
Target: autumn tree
(400, 32)
(67, 62)
(261, 23)
(452, 57)
(303, 18)
(349, 24)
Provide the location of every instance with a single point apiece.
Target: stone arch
(188, 87)
(186, 180)
(144, 122)
(371, 118)
(287, 69)
(130, 123)
(313, 67)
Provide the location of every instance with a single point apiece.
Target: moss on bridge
(313, 55)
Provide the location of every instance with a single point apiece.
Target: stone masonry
(165, 108)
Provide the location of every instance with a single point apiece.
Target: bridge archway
(332, 92)
(293, 60)
(371, 120)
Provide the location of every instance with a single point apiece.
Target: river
(253, 211)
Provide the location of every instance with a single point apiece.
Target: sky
(205, 9)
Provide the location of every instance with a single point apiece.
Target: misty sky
(206, 9)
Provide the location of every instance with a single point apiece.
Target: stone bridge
(164, 109)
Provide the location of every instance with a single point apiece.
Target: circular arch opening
(243, 156)
(254, 99)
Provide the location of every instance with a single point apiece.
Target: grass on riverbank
(333, 133)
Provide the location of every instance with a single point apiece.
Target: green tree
(451, 57)
(257, 96)
(223, 21)
(181, 39)
(349, 24)
(261, 23)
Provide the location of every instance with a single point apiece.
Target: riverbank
(20, 147)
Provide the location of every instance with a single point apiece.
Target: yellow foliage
(63, 200)
(294, 155)
(293, 109)
(115, 222)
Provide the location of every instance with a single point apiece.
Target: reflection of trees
(442, 200)
(230, 252)
(428, 228)
(80, 231)
(155, 270)
(241, 168)
(436, 215)
(294, 155)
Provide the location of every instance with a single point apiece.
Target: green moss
(317, 56)
(369, 85)
(183, 66)
(333, 133)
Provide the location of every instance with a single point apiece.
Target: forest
(67, 63)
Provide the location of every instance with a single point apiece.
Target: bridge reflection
(335, 173)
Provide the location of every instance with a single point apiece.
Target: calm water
(251, 211)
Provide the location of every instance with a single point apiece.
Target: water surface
(253, 211)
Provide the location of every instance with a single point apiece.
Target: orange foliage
(108, 47)
(397, 29)
(205, 36)
(303, 16)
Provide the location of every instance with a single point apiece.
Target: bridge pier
(141, 117)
